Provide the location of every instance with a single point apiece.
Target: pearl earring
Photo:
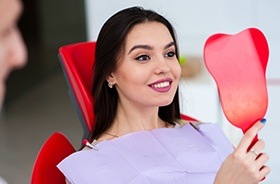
(110, 85)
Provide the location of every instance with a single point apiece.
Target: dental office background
(37, 103)
(194, 22)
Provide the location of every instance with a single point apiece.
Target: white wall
(194, 22)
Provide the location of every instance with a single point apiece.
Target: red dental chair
(76, 61)
(77, 64)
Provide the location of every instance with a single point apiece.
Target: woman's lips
(163, 85)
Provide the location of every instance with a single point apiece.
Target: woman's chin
(165, 103)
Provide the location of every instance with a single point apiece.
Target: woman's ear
(111, 80)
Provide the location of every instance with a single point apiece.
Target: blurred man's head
(12, 48)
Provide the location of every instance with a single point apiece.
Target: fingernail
(263, 121)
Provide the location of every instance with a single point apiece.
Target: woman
(138, 137)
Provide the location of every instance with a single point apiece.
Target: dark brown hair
(110, 43)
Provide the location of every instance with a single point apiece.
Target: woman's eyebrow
(169, 45)
(148, 47)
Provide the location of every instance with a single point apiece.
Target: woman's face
(148, 71)
(12, 48)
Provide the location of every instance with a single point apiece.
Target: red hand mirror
(238, 65)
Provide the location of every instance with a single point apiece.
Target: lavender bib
(185, 155)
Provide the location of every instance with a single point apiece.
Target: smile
(162, 85)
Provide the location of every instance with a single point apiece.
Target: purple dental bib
(184, 155)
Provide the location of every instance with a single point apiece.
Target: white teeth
(161, 85)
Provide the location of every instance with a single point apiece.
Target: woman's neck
(135, 119)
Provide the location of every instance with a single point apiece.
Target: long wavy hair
(110, 43)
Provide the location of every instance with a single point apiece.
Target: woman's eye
(170, 54)
(142, 58)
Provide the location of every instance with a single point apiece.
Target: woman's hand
(243, 166)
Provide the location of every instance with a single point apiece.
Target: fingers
(249, 136)
(262, 159)
(250, 156)
(256, 149)
(257, 164)
(258, 160)
(265, 170)
(255, 154)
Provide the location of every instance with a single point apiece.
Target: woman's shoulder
(211, 131)
(196, 124)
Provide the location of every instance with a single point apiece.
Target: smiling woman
(134, 46)
(151, 69)
(138, 133)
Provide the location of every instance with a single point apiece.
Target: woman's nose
(162, 66)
